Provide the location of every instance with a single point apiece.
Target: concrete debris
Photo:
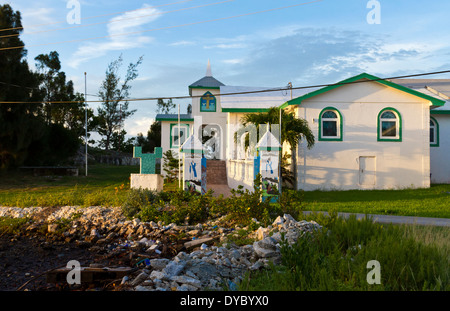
(171, 257)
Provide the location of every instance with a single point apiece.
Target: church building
(370, 133)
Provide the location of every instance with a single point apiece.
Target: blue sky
(314, 43)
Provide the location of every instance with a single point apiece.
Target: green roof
(355, 79)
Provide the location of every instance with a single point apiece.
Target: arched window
(434, 132)
(389, 125)
(330, 125)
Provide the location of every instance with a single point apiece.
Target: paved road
(386, 219)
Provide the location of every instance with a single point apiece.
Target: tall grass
(336, 259)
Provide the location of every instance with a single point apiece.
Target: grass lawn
(432, 202)
(104, 185)
(109, 186)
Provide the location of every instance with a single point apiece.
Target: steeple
(207, 82)
(208, 70)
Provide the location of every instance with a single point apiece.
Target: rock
(52, 228)
(139, 279)
(266, 248)
(182, 279)
(174, 268)
(198, 242)
(159, 263)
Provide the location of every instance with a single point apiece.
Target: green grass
(110, 186)
(104, 185)
(411, 257)
(432, 202)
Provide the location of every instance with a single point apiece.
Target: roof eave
(297, 101)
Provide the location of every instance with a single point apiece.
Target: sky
(255, 43)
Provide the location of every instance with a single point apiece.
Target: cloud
(126, 23)
(37, 16)
(138, 124)
(308, 56)
(182, 43)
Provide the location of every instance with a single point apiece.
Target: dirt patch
(23, 258)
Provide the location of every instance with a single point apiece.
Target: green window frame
(389, 125)
(434, 132)
(330, 122)
(174, 127)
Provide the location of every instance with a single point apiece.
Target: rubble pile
(168, 257)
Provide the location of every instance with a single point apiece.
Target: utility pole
(86, 121)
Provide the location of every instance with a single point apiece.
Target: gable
(361, 80)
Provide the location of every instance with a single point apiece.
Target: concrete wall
(337, 165)
(440, 155)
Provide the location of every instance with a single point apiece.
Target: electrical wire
(167, 27)
(235, 93)
(118, 20)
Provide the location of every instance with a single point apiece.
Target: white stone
(147, 181)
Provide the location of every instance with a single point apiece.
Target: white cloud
(182, 43)
(126, 23)
(138, 125)
(37, 16)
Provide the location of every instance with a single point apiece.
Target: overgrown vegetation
(182, 207)
(336, 259)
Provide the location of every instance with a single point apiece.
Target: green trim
(175, 119)
(339, 138)
(215, 102)
(192, 151)
(170, 134)
(440, 111)
(245, 109)
(399, 116)
(286, 104)
(433, 100)
(269, 148)
(436, 131)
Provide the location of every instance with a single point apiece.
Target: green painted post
(148, 160)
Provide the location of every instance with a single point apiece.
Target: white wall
(440, 156)
(217, 117)
(333, 165)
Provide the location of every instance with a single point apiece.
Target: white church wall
(440, 154)
(217, 118)
(360, 161)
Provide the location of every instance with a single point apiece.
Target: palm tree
(292, 129)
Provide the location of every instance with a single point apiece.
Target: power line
(118, 20)
(97, 16)
(167, 27)
(239, 93)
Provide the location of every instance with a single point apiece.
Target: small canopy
(192, 145)
(268, 142)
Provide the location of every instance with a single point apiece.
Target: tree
(164, 107)
(171, 165)
(71, 114)
(20, 124)
(114, 108)
(293, 129)
(153, 138)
